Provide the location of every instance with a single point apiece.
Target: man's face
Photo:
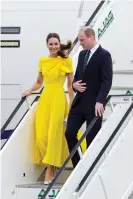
(85, 42)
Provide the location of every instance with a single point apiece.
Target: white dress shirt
(92, 51)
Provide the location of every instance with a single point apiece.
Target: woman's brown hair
(63, 47)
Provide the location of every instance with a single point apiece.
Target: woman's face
(53, 46)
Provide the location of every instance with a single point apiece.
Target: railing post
(80, 21)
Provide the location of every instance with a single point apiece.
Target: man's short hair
(88, 31)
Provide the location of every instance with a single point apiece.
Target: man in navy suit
(92, 83)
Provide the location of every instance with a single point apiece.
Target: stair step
(39, 185)
(36, 191)
(62, 178)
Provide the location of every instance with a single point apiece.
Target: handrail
(73, 152)
(76, 147)
(17, 108)
(14, 112)
(12, 116)
(104, 148)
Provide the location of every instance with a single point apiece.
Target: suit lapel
(93, 57)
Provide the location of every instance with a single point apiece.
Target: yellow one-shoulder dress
(52, 109)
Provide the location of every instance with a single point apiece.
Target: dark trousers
(75, 120)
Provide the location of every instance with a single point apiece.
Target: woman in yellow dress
(52, 109)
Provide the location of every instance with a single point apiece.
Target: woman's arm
(69, 86)
(36, 85)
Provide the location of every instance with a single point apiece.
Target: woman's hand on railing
(27, 93)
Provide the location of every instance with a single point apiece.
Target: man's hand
(81, 87)
(99, 109)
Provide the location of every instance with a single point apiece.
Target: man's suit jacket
(97, 76)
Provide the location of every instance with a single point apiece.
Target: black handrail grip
(72, 153)
(104, 148)
(122, 95)
(95, 12)
(12, 114)
(36, 93)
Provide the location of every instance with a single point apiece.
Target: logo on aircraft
(107, 21)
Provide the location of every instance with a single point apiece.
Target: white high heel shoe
(48, 182)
